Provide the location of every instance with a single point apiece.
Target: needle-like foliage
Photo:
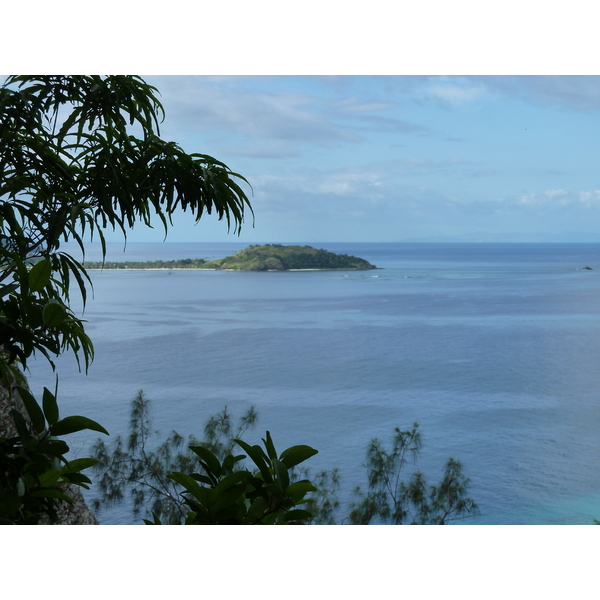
(141, 464)
(389, 499)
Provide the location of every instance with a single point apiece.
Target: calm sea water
(494, 349)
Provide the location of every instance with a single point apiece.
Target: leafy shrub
(204, 483)
(209, 480)
(222, 495)
(33, 466)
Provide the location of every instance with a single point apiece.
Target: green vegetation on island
(186, 263)
(269, 257)
(276, 257)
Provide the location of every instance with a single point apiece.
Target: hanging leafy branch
(71, 165)
(79, 154)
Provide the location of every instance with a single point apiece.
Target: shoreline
(213, 269)
(151, 269)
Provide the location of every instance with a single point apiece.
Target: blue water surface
(492, 348)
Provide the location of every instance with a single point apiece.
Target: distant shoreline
(214, 269)
(148, 269)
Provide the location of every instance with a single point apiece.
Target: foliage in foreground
(241, 497)
(207, 483)
(142, 468)
(33, 465)
(78, 154)
(71, 165)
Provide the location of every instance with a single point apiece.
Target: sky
(395, 158)
(377, 121)
(462, 121)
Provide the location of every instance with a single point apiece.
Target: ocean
(493, 349)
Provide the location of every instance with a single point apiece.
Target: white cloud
(453, 90)
(559, 198)
(347, 182)
(580, 93)
(379, 123)
(590, 197)
(199, 104)
(555, 193)
(352, 104)
(576, 92)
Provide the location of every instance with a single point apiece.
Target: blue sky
(440, 121)
(396, 158)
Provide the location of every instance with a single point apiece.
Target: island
(268, 257)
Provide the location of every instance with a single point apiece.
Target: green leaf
(296, 454)
(270, 447)
(49, 478)
(230, 496)
(52, 493)
(50, 406)
(297, 514)
(230, 460)
(54, 313)
(78, 479)
(76, 423)
(78, 464)
(299, 489)
(21, 425)
(256, 510)
(39, 276)
(212, 462)
(232, 479)
(268, 518)
(283, 478)
(33, 409)
(54, 447)
(7, 289)
(258, 456)
(203, 479)
(204, 495)
(156, 520)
